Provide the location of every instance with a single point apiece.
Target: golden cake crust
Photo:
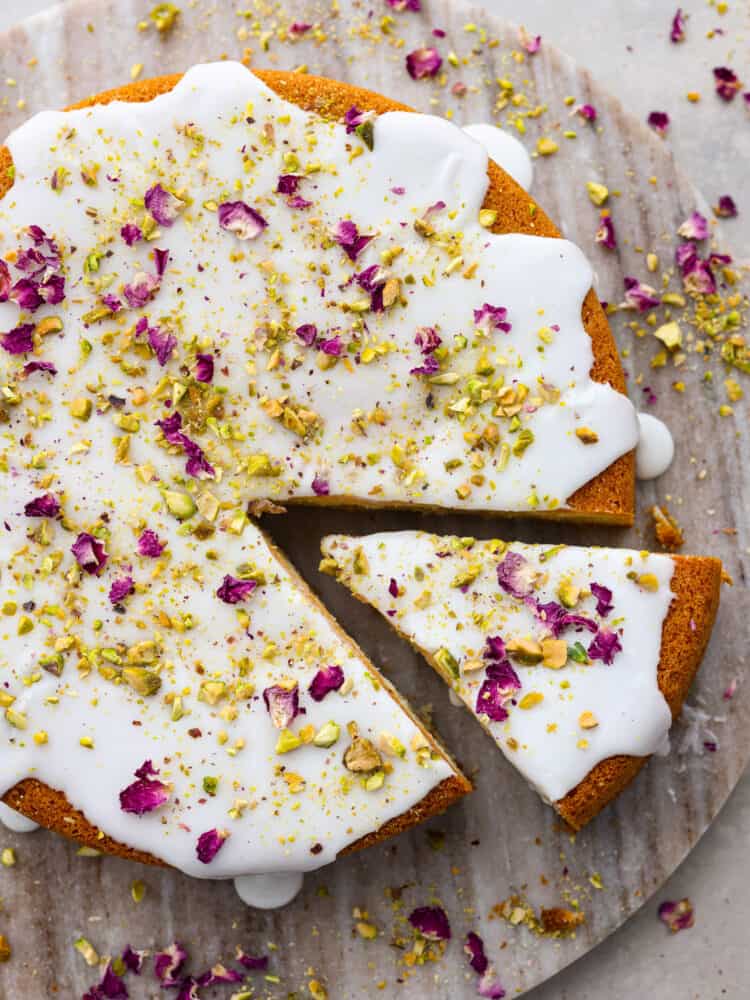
(609, 498)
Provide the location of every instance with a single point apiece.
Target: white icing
(383, 435)
(505, 150)
(268, 892)
(655, 449)
(14, 821)
(633, 716)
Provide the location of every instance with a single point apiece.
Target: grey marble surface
(626, 46)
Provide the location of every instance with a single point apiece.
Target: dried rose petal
(678, 916)
(26, 295)
(162, 205)
(39, 366)
(327, 679)
(695, 227)
(141, 290)
(89, 553)
(659, 122)
(393, 588)
(5, 281)
(677, 31)
(731, 689)
(44, 506)
(320, 486)
(197, 464)
(18, 341)
(233, 591)
(401, 5)
(149, 544)
(603, 597)
(209, 844)
(333, 346)
(424, 62)
(557, 619)
(586, 111)
(307, 333)
(727, 83)
(605, 234)
(515, 574)
(431, 922)
(353, 118)
(133, 959)
(218, 974)
(131, 233)
(145, 794)
(349, 239)
(168, 963)
(500, 685)
(492, 318)
(204, 367)
(494, 648)
(259, 964)
(726, 208)
(489, 986)
(474, 948)
(162, 344)
(242, 220)
(121, 589)
(298, 28)
(109, 987)
(605, 646)
(282, 704)
(639, 296)
(531, 43)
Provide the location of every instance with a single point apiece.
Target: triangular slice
(395, 321)
(575, 660)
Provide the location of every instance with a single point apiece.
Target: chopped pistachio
(287, 741)
(531, 700)
(180, 504)
(327, 735)
(361, 756)
(447, 664)
(81, 408)
(143, 681)
(587, 720)
(527, 651)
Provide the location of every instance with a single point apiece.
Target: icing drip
(14, 821)
(268, 892)
(547, 734)
(655, 449)
(328, 384)
(505, 150)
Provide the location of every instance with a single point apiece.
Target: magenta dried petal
(299, 28)
(557, 619)
(695, 227)
(112, 302)
(430, 366)
(5, 281)
(141, 290)
(233, 591)
(282, 704)
(133, 959)
(603, 597)
(320, 486)
(254, 964)
(187, 989)
(492, 318)
(393, 588)
(349, 238)
(39, 366)
(659, 122)
(727, 83)
(162, 205)
(489, 986)
(731, 689)
(431, 922)
(494, 648)
(677, 31)
(204, 367)
(297, 201)
(605, 234)
(169, 427)
(162, 344)
(474, 948)
(605, 646)
(427, 339)
(209, 844)
(677, 915)
(149, 544)
(121, 589)
(423, 62)
(515, 574)
(401, 5)
(52, 289)
(25, 293)
(288, 183)
(639, 296)
(586, 111)
(44, 506)
(131, 233)
(219, 974)
(333, 346)
(726, 208)
(353, 118)
(242, 220)
(89, 553)
(500, 685)
(168, 963)
(531, 43)
(110, 987)
(327, 679)
(307, 333)
(146, 793)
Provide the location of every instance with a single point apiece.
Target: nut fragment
(361, 756)
(587, 720)
(527, 651)
(554, 653)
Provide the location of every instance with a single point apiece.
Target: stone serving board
(500, 840)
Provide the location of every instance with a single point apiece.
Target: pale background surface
(626, 47)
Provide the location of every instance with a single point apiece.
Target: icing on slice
(554, 650)
(316, 318)
(14, 821)
(505, 150)
(655, 449)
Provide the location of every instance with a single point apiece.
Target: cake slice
(575, 660)
(392, 320)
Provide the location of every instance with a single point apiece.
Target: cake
(397, 322)
(172, 692)
(575, 660)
